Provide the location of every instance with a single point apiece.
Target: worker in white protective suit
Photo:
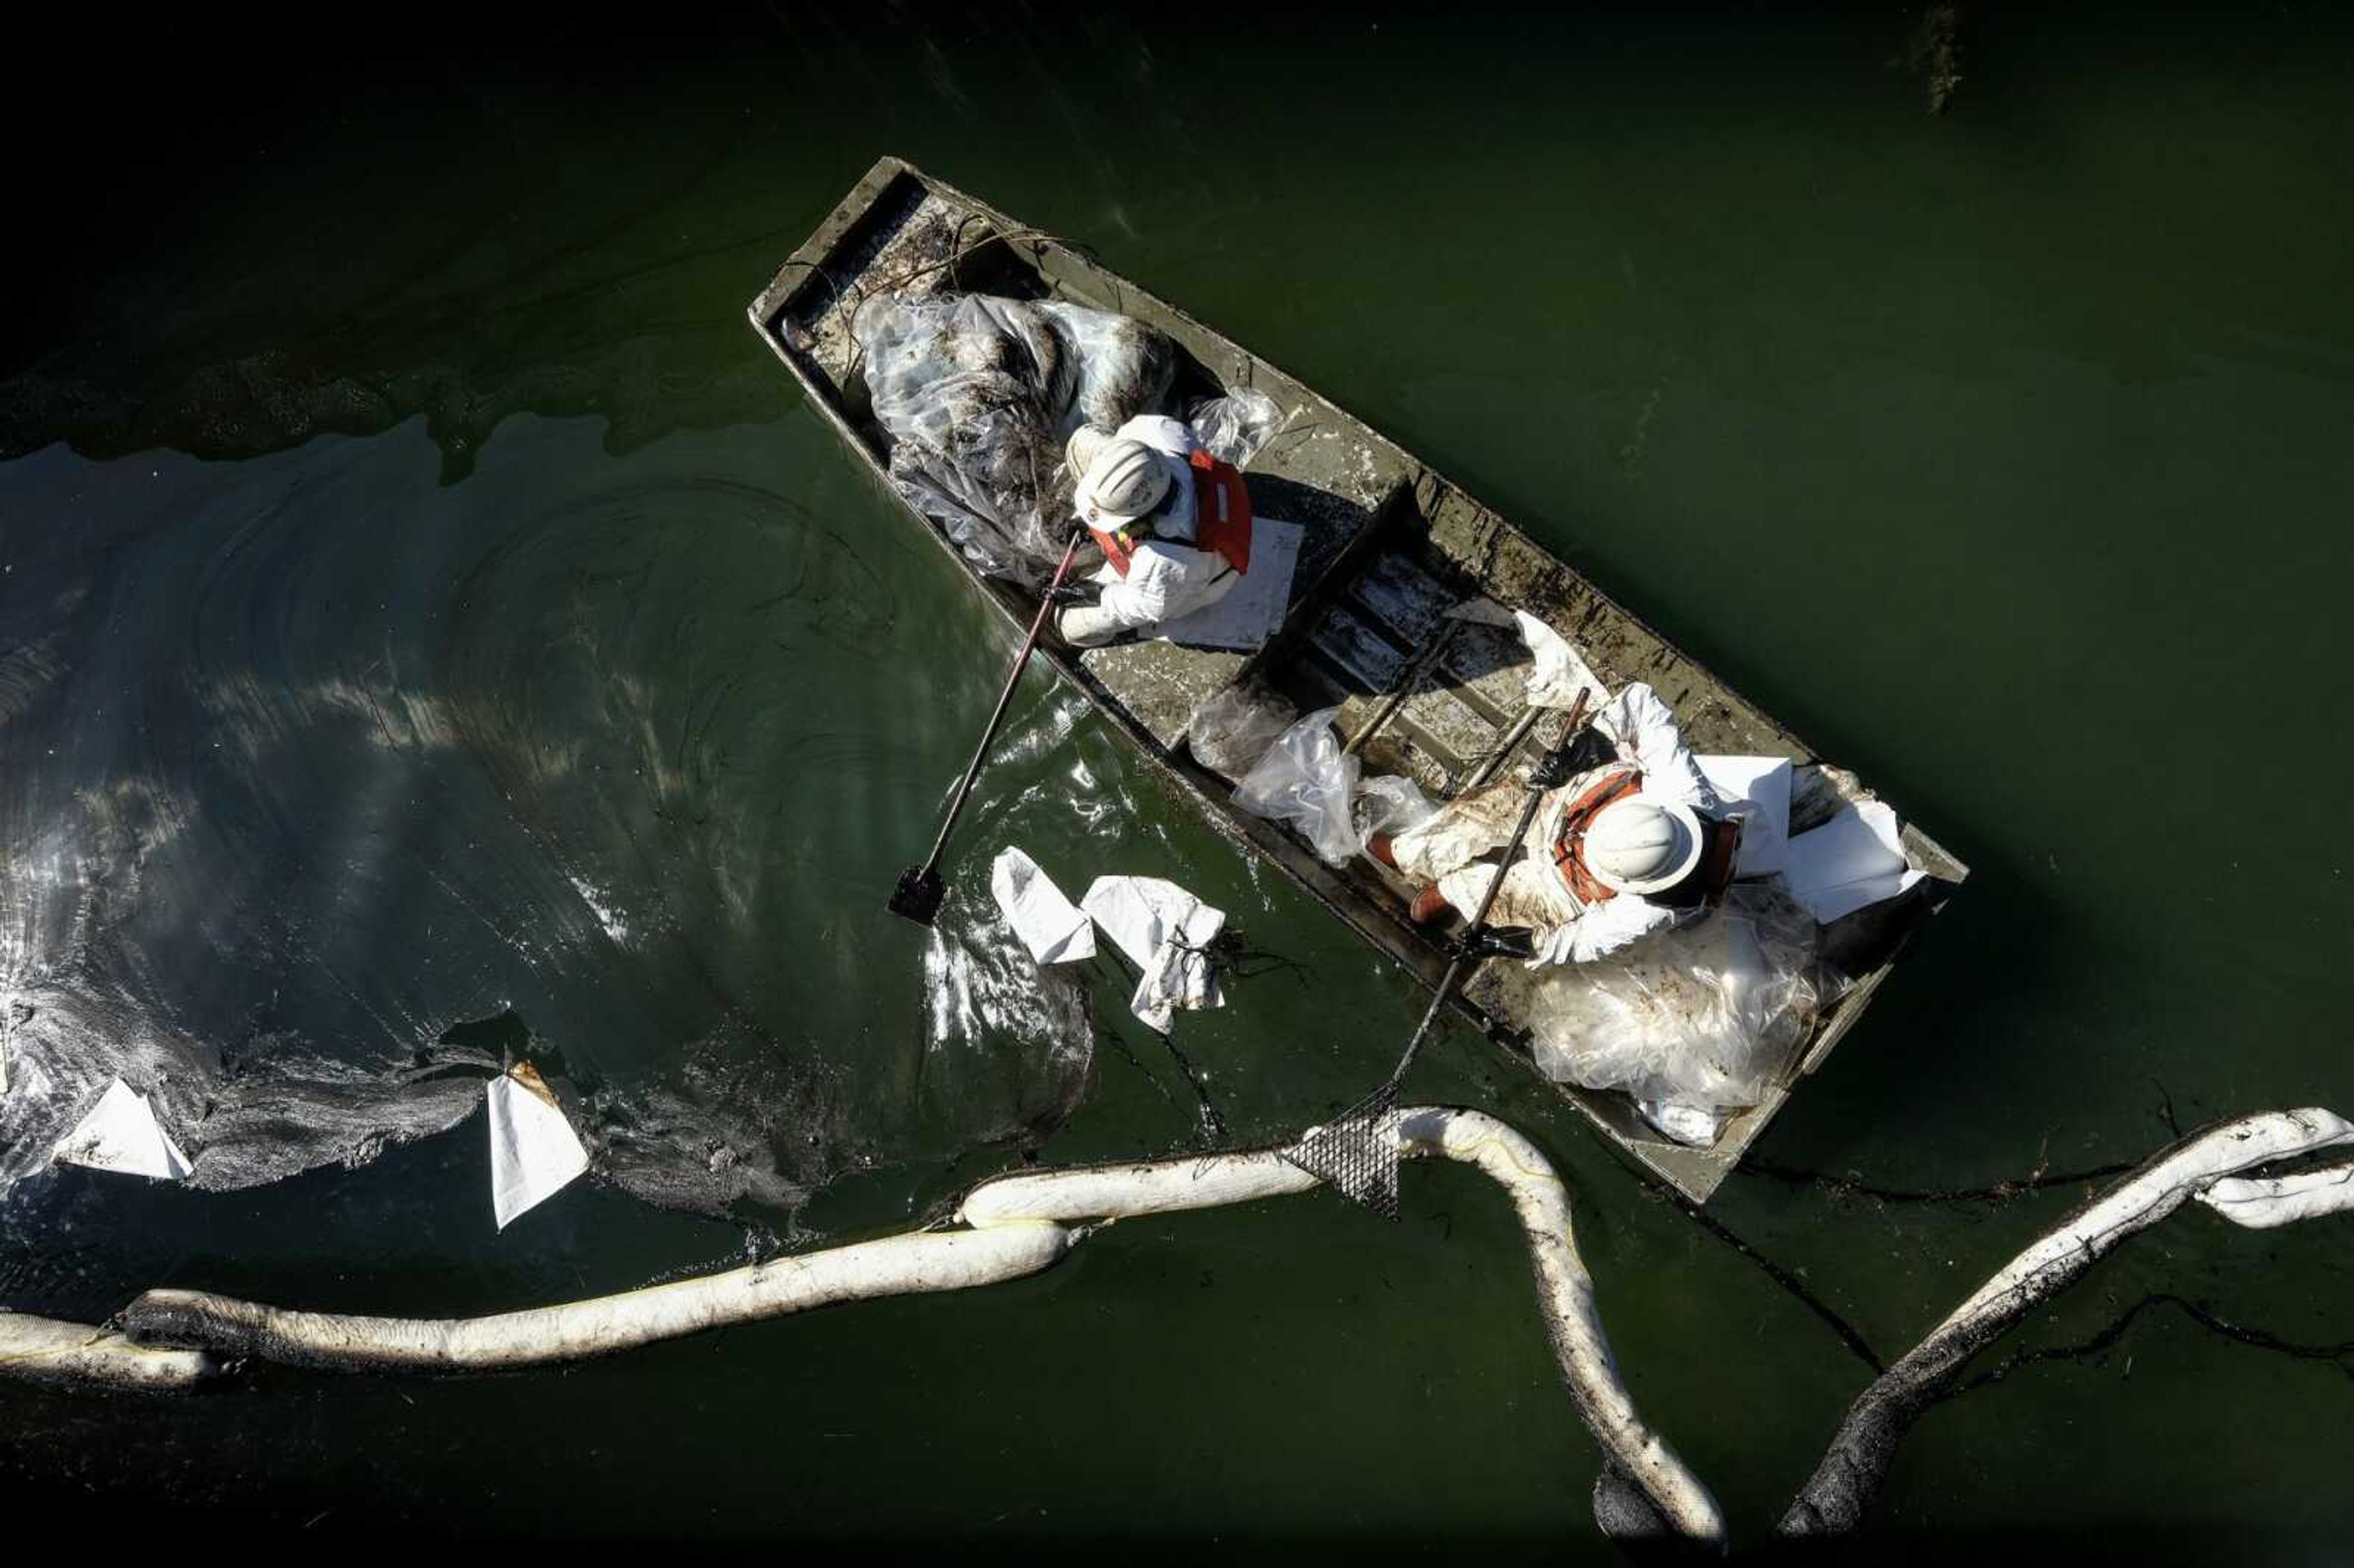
(1174, 523)
(1631, 844)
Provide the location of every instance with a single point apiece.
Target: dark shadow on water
(331, 1526)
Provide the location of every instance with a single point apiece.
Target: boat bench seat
(1334, 485)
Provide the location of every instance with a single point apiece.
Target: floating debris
(1934, 53)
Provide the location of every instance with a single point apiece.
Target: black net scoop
(1357, 1152)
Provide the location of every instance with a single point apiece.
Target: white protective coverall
(1167, 577)
(1447, 848)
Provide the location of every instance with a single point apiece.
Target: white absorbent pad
(1053, 928)
(1856, 858)
(1250, 611)
(1758, 791)
(1166, 932)
(121, 1133)
(535, 1153)
(1559, 675)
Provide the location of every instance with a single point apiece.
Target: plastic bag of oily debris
(1703, 1017)
(1391, 803)
(1688, 1125)
(1305, 780)
(1235, 426)
(1232, 731)
(977, 395)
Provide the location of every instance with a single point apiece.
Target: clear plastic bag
(1391, 803)
(1705, 1016)
(1306, 780)
(1232, 731)
(1235, 426)
(1688, 1125)
(977, 395)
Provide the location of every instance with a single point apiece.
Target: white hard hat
(1125, 480)
(1643, 846)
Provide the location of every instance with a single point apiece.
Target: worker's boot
(1377, 845)
(1429, 905)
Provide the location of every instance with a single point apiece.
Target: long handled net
(1357, 1152)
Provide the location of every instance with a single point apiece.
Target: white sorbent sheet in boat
(1560, 674)
(535, 1153)
(1758, 791)
(1856, 858)
(1053, 928)
(1248, 615)
(121, 1133)
(1164, 929)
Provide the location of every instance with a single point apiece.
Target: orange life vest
(1615, 782)
(1222, 516)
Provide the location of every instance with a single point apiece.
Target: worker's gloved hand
(1589, 747)
(1554, 947)
(1514, 942)
(1553, 769)
(1070, 593)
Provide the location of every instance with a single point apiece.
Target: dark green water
(2004, 455)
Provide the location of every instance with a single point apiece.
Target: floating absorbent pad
(535, 1153)
(121, 1133)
